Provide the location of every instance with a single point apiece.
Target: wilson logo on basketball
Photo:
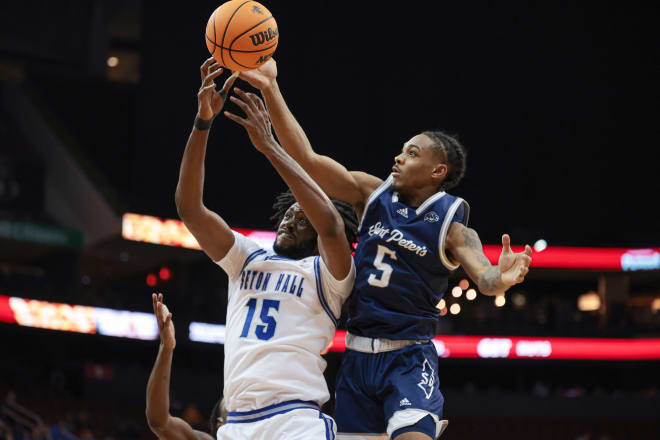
(264, 36)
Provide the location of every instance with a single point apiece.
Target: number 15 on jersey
(266, 329)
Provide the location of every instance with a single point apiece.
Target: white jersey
(281, 314)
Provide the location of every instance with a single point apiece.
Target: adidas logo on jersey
(403, 212)
(405, 402)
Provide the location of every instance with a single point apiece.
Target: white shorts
(287, 420)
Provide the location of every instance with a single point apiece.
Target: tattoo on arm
(472, 241)
(491, 277)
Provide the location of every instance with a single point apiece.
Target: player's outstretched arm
(159, 419)
(212, 233)
(353, 187)
(318, 208)
(465, 246)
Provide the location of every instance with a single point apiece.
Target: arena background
(557, 104)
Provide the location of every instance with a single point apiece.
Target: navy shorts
(372, 387)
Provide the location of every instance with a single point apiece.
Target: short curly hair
(284, 201)
(454, 154)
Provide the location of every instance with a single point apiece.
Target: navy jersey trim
(279, 258)
(251, 257)
(319, 290)
(269, 411)
(374, 195)
(449, 217)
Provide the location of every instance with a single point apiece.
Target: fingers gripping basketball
(241, 35)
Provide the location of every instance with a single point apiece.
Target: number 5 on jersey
(266, 330)
(385, 268)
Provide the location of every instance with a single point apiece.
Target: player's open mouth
(395, 172)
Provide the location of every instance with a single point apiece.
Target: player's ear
(439, 171)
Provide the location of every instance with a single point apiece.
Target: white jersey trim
(451, 265)
(377, 192)
(429, 201)
(410, 416)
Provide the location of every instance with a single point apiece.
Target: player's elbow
(156, 423)
(186, 209)
(157, 426)
(180, 202)
(333, 228)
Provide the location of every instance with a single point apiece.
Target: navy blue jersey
(402, 267)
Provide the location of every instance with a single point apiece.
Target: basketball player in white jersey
(283, 303)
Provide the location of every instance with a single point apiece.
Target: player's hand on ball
(165, 324)
(209, 100)
(262, 77)
(257, 121)
(513, 265)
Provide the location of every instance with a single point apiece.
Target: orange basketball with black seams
(241, 35)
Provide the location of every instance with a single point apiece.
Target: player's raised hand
(165, 324)
(257, 121)
(261, 77)
(513, 265)
(209, 100)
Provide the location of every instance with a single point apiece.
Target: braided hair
(284, 201)
(453, 152)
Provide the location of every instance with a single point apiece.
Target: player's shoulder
(443, 201)
(367, 183)
(447, 198)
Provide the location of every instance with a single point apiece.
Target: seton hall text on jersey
(283, 282)
(396, 236)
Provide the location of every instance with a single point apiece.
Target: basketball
(241, 35)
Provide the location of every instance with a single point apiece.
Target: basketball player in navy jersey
(412, 235)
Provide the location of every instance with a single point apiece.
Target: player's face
(296, 238)
(414, 166)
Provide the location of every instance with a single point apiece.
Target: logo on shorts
(428, 379)
(403, 212)
(431, 217)
(405, 402)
